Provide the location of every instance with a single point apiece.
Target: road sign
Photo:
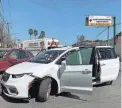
(92, 20)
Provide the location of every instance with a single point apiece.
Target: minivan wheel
(109, 83)
(44, 90)
(1, 90)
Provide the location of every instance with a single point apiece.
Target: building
(118, 43)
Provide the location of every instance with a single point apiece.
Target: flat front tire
(44, 90)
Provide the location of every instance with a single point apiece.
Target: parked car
(68, 69)
(10, 57)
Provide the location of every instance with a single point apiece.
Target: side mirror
(63, 63)
(63, 58)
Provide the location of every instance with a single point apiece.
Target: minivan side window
(86, 55)
(74, 59)
(106, 53)
(81, 57)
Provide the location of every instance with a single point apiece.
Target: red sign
(53, 43)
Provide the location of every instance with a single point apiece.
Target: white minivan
(67, 69)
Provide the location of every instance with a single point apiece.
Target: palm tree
(42, 34)
(35, 32)
(30, 31)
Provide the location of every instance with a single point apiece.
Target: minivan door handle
(86, 71)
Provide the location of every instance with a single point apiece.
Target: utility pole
(108, 36)
(8, 28)
(114, 30)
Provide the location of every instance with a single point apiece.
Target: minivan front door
(77, 76)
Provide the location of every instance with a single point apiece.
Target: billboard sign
(92, 20)
(33, 44)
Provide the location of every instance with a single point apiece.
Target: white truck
(35, 46)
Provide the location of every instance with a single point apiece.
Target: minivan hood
(27, 67)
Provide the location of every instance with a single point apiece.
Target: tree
(30, 31)
(42, 34)
(81, 38)
(35, 32)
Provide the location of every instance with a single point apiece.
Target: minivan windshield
(2, 53)
(46, 56)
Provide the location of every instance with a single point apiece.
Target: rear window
(2, 53)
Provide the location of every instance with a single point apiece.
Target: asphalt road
(103, 97)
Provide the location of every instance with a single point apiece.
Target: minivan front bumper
(17, 87)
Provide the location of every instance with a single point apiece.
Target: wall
(118, 46)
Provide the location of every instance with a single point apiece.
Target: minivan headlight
(21, 75)
(17, 76)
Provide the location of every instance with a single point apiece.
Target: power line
(101, 32)
(1, 14)
(118, 24)
(1, 5)
(38, 3)
(8, 24)
(105, 30)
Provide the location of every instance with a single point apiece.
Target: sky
(60, 19)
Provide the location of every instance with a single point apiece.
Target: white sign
(33, 44)
(99, 20)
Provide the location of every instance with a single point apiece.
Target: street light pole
(114, 30)
(8, 28)
(108, 36)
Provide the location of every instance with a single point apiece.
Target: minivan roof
(104, 47)
(95, 46)
(69, 47)
(62, 48)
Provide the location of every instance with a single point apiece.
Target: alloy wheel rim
(48, 91)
